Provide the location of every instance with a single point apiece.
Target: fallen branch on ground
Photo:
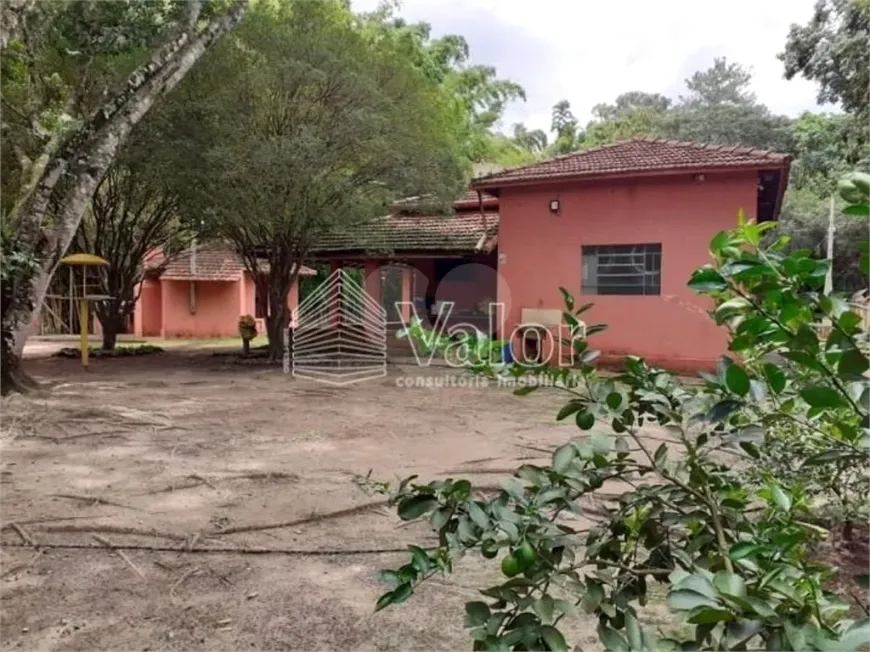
(120, 553)
(23, 534)
(314, 518)
(206, 549)
(94, 500)
(180, 581)
(114, 529)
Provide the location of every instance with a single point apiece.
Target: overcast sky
(589, 51)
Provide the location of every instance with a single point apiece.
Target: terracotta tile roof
(215, 261)
(467, 199)
(638, 155)
(405, 232)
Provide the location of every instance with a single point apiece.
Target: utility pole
(829, 253)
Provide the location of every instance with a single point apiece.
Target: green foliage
(72, 56)
(16, 268)
(475, 95)
(728, 540)
(831, 49)
(304, 121)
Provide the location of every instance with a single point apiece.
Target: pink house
(201, 293)
(622, 226)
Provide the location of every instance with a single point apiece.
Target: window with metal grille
(622, 269)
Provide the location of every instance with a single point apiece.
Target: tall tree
(825, 146)
(564, 125)
(65, 144)
(630, 102)
(722, 83)
(720, 109)
(534, 141)
(300, 124)
(134, 214)
(476, 94)
(832, 50)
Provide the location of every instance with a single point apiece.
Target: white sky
(589, 52)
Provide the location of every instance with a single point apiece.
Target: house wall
(218, 305)
(540, 251)
(148, 315)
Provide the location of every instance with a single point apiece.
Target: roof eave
(785, 170)
(493, 186)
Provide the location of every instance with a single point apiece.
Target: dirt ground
(179, 449)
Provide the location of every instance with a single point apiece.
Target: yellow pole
(83, 327)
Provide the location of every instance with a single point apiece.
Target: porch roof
(402, 232)
(214, 261)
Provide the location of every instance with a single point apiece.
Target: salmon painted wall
(148, 316)
(218, 307)
(540, 251)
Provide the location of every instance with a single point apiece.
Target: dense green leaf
(568, 298)
(415, 507)
(686, 600)
(780, 498)
(614, 400)
(707, 280)
(553, 639)
(730, 583)
(562, 457)
(544, 608)
(722, 410)
(420, 558)
(574, 405)
(857, 636)
(476, 614)
(737, 380)
(707, 615)
(822, 397)
(613, 641)
(775, 377)
(478, 515)
(744, 549)
(853, 363)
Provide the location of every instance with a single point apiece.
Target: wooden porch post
(334, 311)
(407, 292)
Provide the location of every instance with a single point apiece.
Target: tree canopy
(303, 122)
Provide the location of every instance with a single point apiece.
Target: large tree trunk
(83, 160)
(112, 317)
(12, 376)
(278, 320)
(111, 324)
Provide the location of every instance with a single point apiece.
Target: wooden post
(83, 329)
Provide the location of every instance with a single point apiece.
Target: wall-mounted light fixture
(554, 205)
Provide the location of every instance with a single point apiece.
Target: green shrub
(706, 514)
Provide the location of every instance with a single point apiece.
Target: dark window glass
(622, 269)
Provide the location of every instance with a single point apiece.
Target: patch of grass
(210, 343)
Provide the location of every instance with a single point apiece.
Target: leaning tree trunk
(278, 320)
(83, 160)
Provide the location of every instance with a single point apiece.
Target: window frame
(619, 264)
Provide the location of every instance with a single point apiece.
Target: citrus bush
(727, 540)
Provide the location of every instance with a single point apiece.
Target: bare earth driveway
(253, 472)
